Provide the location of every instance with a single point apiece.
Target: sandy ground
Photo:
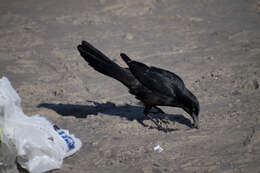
(214, 45)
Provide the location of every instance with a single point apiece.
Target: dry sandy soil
(214, 45)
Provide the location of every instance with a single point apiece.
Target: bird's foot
(162, 121)
(155, 121)
(159, 125)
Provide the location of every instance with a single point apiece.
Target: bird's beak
(195, 121)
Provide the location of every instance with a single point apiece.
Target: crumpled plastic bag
(40, 144)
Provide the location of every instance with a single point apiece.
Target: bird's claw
(160, 122)
(164, 121)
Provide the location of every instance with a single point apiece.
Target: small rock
(156, 165)
(58, 92)
(196, 19)
(255, 84)
(236, 93)
(210, 58)
(238, 100)
(129, 36)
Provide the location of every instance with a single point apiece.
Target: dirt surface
(214, 45)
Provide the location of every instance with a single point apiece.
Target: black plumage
(151, 85)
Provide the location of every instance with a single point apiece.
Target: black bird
(151, 85)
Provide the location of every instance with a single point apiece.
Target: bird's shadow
(129, 112)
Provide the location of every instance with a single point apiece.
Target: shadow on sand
(125, 111)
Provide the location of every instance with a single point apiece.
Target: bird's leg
(146, 113)
(161, 119)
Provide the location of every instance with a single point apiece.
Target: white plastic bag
(40, 144)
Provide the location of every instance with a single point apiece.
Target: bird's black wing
(157, 80)
(175, 80)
